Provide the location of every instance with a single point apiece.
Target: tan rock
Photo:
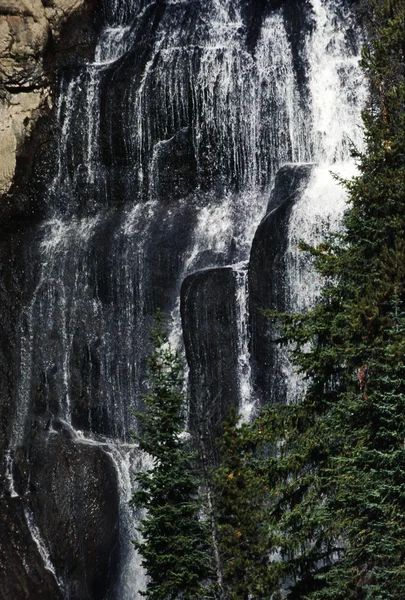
(18, 115)
(57, 11)
(25, 29)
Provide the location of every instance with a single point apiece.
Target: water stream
(169, 143)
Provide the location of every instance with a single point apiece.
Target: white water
(41, 545)
(247, 401)
(50, 306)
(121, 12)
(127, 463)
(336, 95)
(112, 44)
(246, 115)
(318, 212)
(336, 84)
(9, 475)
(247, 118)
(279, 101)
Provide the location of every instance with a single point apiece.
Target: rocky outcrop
(44, 552)
(35, 35)
(209, 315)
(267, 286)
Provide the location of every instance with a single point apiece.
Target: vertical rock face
(267, 278)
(145, 165)
(209, 316)
(21, 559)
(305, 205)
(71, 475)
(60, 519)
(49, 553)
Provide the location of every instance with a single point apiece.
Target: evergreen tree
(240, 493)
(338, 476)
(309, 499)
(174, 545)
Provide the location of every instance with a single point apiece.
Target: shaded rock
(74, 501)
(209, 317)
(23, 575)
(267, 270)
(174, 166)
(17, 270)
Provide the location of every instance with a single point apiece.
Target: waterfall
(194, 152)
(39, 542)
(336, 82)
(310, 221)
(247, 404)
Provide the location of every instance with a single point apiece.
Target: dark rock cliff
(155, 134)
(267, 269)
(209, 317)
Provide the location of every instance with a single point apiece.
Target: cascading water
(310, 219)
(170, 143)
(42, 549)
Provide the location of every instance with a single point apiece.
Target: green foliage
(240, 493)
(174, 546)
(338, 475)
(333, 466)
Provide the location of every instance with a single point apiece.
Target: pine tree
(338, 475)
(174, 545)
(240, 494)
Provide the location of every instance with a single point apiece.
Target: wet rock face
(298, 20)
(168, 43)
(157, 165)
(15, 256)
(74, 497)
(209, 316)
(60, 534)
(22, 573)
(64, 523)
(175, 165)
(33, 39)
(267, 270)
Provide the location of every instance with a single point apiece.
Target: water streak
(247, 401)
(318, 212)
(41, 546)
